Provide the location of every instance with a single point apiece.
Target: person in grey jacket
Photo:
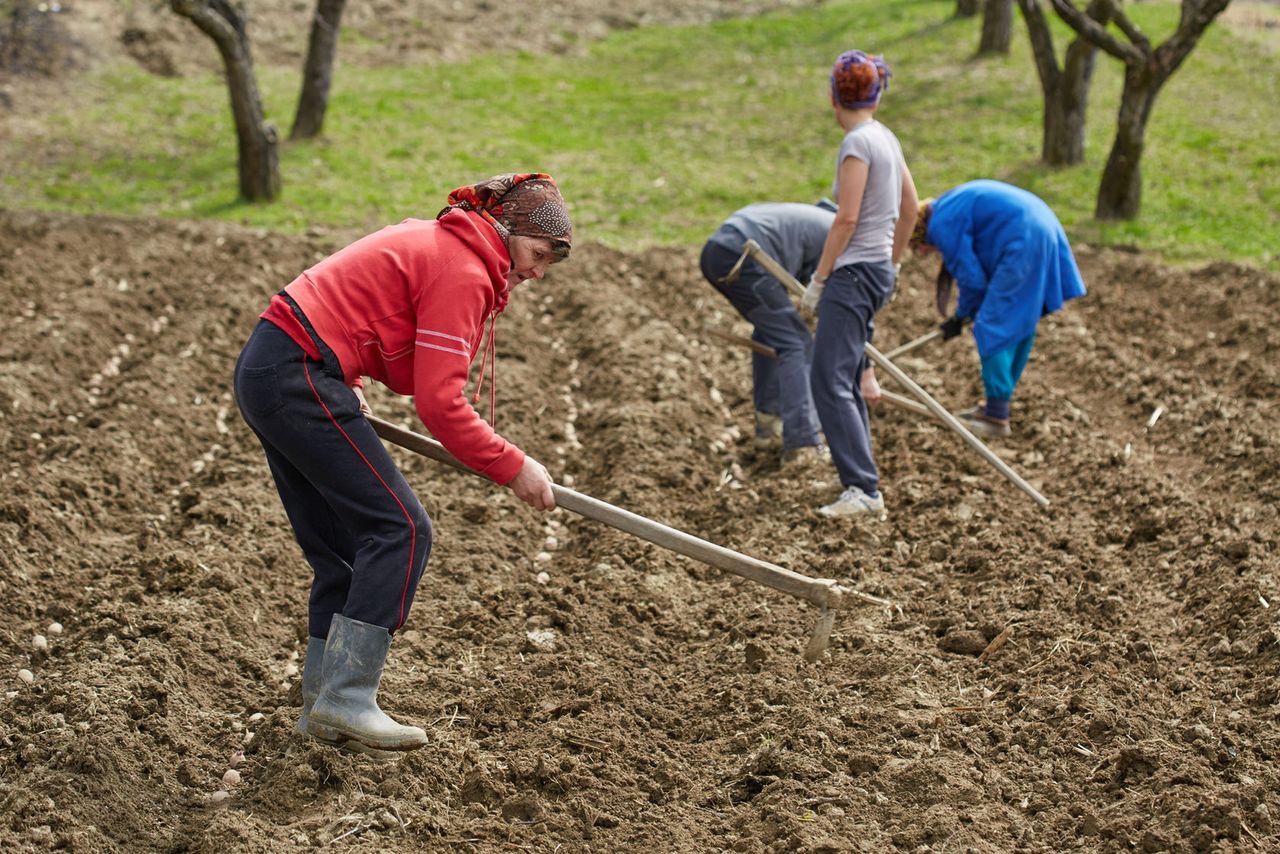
(793, 234)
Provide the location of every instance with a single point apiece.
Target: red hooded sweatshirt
(407, 306)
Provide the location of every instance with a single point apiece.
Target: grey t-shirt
(792, 233)
(875, 145)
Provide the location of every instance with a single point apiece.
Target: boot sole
(330, 738)
(347, 740)
(328, 735)
(373, 753)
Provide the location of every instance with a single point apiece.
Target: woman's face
(530, 258)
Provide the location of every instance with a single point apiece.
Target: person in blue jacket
(1012, 264)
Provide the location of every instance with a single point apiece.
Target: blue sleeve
(971, 279)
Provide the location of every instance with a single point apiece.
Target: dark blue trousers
(361, 528)
(853, 295)
(781, 385)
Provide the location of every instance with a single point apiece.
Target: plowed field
(631, 699)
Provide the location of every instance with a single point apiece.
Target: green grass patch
(657, 134)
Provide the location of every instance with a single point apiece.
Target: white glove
(813, 293)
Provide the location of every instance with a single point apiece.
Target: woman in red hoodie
(405, 306)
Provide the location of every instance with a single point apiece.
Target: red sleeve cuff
(504, 469)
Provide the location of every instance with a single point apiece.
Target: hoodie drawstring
(490, 357)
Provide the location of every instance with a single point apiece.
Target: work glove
(813, 293)
(951, 327)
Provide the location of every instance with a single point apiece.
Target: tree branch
(236, 17)
(1197, 15)
(1080, 53)
(1130, 29)
(212, 24)
(1041, 43)
(1091, 30)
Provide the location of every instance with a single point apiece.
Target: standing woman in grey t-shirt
(855, 276)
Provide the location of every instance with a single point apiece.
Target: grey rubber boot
(347, 708)
(311, 679)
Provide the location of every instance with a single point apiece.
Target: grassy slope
(656, 134)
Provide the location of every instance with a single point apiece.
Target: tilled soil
(630, 699)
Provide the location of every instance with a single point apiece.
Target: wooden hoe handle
(824, 592)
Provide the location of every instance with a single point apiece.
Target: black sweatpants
(360, 526)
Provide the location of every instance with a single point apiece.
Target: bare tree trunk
(966, 8)
(1147, 69)
(997, 26)
(1120, 193)
(1066, 90)
(317, 75)
(257, 138)
(1066, 145)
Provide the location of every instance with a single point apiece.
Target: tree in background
(317, 74)
(1066, 89)
(997, 26)
(258, 140)
(1147, 69)
(967, 8)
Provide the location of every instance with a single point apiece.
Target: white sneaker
(852, 502)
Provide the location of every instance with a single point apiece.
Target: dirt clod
(964, 642)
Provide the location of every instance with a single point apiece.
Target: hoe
(823, 592)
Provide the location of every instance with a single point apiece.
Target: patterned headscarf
(858, 80)
(524, 204)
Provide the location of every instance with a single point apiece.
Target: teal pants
(1002, 369)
